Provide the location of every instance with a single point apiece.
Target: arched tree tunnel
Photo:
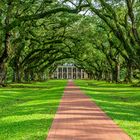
(101, 37)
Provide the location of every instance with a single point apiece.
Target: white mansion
(69, 71)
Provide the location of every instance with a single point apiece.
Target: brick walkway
(78, 118)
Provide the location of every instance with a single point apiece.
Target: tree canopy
(102, 37)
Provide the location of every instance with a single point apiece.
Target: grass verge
(27, 110)
(120, 101)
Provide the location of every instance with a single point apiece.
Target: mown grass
(120, 101)
(27, 110)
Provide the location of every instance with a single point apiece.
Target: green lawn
(27, 110)
(120, 101)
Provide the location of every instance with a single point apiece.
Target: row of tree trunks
(26, 76)
(113, 75)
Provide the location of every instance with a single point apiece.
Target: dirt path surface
(78, 118)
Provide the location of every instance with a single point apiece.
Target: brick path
(78, 118)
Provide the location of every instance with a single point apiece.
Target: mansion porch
(69, 71)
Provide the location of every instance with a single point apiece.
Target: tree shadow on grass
(102, 84)
(120, 103)
(27, 113)
(32, 129)
(115, 94)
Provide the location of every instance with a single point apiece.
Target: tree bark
(4, 58)
(117, 72)
(5, 55)
(2, 74)
(129, 75)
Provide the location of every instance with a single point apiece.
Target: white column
(62, 72)
(67, 73)
(81, 74)
(71, 72)
(76, 73)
